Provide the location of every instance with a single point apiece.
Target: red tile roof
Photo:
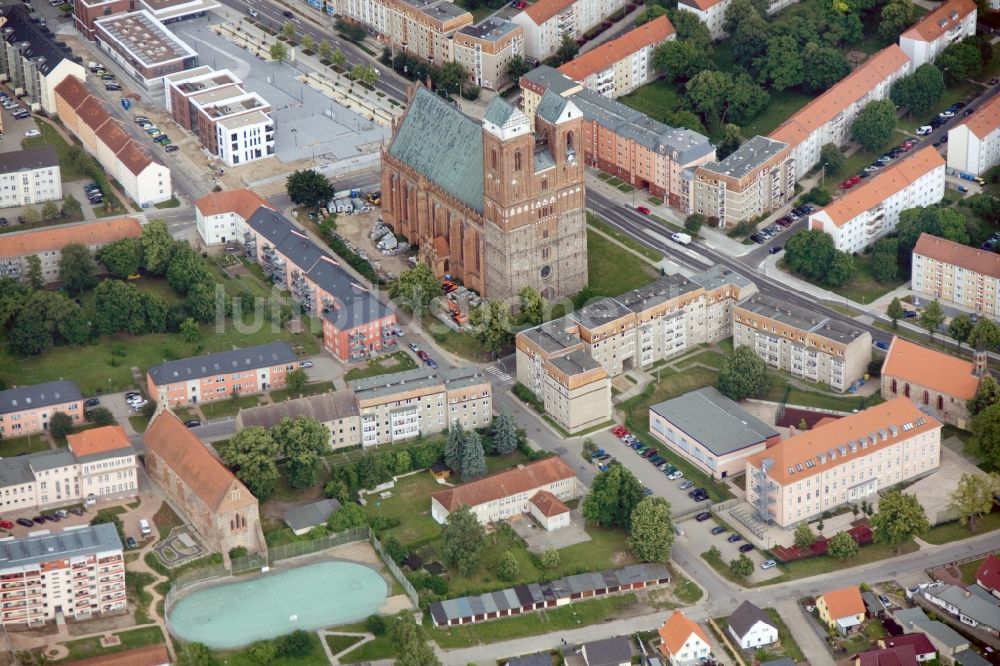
(844, 602)
(910, 362)
(543, 10)
(703, 5)
(135, 157)
(985, 119)
(988, 574)
(98, 440)
(606, 55)
(548, 504)
(918, 641)
(945, 17)
(900, 656)
(963, 256)
(150, 655)
(113, 135)
(93, 113)
(676, 631)
(72, 91)
(47, 239)
(504, 484)
(242, 202)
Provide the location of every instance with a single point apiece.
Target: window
(940, 402)
(493, 158)
(517, 161)
(894, 386)
(906, 390)
(927, 398)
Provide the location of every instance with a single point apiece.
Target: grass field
(817, 566)
(338, 644)
(85, 648)
(864, 288)
(280, 395)
(27, 444)
(613, 270)
(383, 365)
(315, 657)
(951, 95)
(784, 105)
(228, 406)
(608, 230)
(955, 531)
(655, 99)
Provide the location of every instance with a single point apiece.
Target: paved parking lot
(700, 537)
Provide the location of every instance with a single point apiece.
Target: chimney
(979, 363)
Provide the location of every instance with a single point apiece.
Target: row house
(949, 23)
(420, 28)
(547, 22)
(974, 145)
(713, 12)
(968, 277)
(337, 411)
(26, 410)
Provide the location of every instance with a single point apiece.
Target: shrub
(295, 644)
(376, 625)
(238, 552)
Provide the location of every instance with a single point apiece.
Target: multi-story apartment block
(421, 28)
(798, 341)
(78, 573)
(567, 362)
(713, 12)
(828, 118)
(143, 47)
(974, 145)
(217, 376)
(230, 122)
(844, 460)
(27, 409)
(870, 211)
(512, 493)
(337, 411)
(85, 12)
(619, 66)
(546, 22)
(356, 323)
(221, 216)
(29, 177)
(143, 179)
(32, 62)
(486, 50)
(940, 383)
(949, 23)
(954, 273)
(401, 406)
(756, 179)
(624, 142)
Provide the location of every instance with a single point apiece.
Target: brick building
(200, 488)
(494, 204)
(26, 410)
(143, 47)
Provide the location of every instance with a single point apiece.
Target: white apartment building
(405, 405)
(621, 65)
(800, 342)
(974, 145)
(486, 50)
(507, 494)
(422, 28)
(78, 573)
(828, 118)
(545, 22)
(950, 22)
(29, 177)
(871, 210)
(845, 460)
(245, 137)
(958, 274)
(712, 12)
(220, 216)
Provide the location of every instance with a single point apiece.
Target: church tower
(534, 200)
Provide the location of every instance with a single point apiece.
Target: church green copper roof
(499, 111)
(444, 145)
(551, 106)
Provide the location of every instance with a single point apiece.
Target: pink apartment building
(28, 409)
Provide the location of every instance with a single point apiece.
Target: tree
(896, 16)
(416, 287)
(746, 100)
(782, 64)
(453, 446)
(263, 652)
(122, 258)
(338, 59)
(715, 95)
(252, 452)
(365, 74)
(77, 268)
(986, 434)
(194, 654)
(42, 316)
(492, 323)
(960, 327)
(473, 461)
(568, 48)
(118, 307)
(874, 124)
(296, 379)
(831, 157)
(451, 76)
(842, 546)
(410, 643)
(507, 567)
(462, 540)
(919, 91)
(589, 449)
(34, 273)
(308, 43)
(987, 395)
(730, 141)
(301, 440)
(694, 222)
(345, 518)
(985, 334)
(960, 62)
(813, 255)
(742, 566)
(532, 306)
(189, 330)
(295, 645)
(157, 247)
(946, 223)
(71, 206)
(30, 215)
(504, 435)
(743, 375)
(201, 303)
(691, 29)
(652, 533)
(823, 66)
(899, 518)
(612, 498)
(102, 519)
(931, 317)
(738, 12)
(649, 14)
(749, 40)
(60, 424)
(102, 416)
(278, 52)
(804, 536)
(895, 311)
(517, 67)
(883, 263)
(550, 559)
(679, 60)
(186, 269)
(50, 210)
(307, 187)
(973, 497)
(288, 30)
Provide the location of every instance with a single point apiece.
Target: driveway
(806, 633)
(700, 537)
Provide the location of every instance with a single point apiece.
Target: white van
(144, 528)
(924, 130)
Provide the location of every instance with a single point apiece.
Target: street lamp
(295, 134)
(822, 176)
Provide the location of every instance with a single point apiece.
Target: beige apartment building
(798, 341)
(421, 28)
(546, 22)
(25, 410)
(957, 274)
(337, 411)
(843, 460)
(486, 50)
(756, 179)
(567, 362)
(404, 405)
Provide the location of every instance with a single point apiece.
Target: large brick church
(497, 205)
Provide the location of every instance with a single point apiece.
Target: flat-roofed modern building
(405, 405)
(26, 410)
(487, 49)
(949, 23)
(421, 28)
(755, 179)
(217, 376)
(956, 273)
(169, 11)
(78, 572)
(798, 341)
(844, 460)
(85, 12)
(974, 145)
(711, 431)
(867, 212)
(143, 47)
(337, 411)
(29, 177)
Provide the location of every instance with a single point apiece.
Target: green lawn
(608, 230)
(461, 343)
(410, 503)
(228, 406)
(969, 570)
(315, 657)
(955, 531)
(85, 648)
(784, 104)
(27, 444)
(820, 399)
(172, 202)
(864, 288)
(383, 647)
(280, 395)
(685, 590)
(656, 99)
(817, 566)
(383, 365)
(166, 519)
(613, 270)
(716, 562)
(139, 423)
(338, 644)
(951, 95)
(789, 648)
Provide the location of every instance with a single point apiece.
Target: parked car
(757, 238)
(130, 543)
(413, 347)
(6, 524)
(718, 529)
(431, 363)
(703, 516)
(92, 402)
(676, 475)
(192, 423)
(76, 511)
(687, 484)
(776, 249)
(287, 14)
(881, 344)
(647, 491)
(33, 132)
(768, 564)
(947, 113)
(733, 538)
(112, 86)
(924, 130)
(38, 520)
(171, 148)
(746, 548)
(25, 522)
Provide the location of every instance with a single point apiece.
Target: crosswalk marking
(500, 374)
